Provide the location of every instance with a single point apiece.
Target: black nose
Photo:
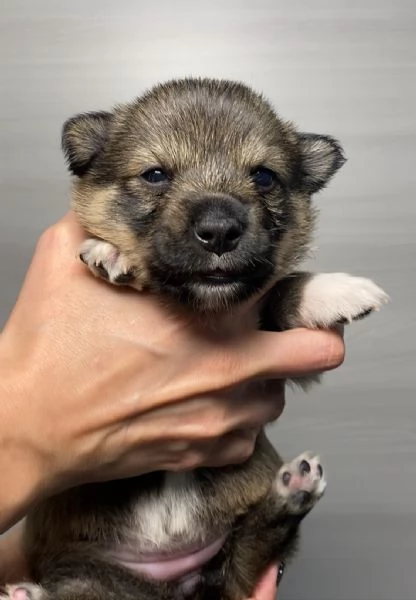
(218, 236)
(219, 227)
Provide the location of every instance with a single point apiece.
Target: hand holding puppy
(100, 383)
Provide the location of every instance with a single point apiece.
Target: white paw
(106, 262)
(301, 483)
(330, 298)
(23, 591)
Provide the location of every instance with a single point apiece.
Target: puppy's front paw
(301, 483)
(23, 591)
(105, 261)
(331, 298)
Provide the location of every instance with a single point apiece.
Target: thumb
(291, 353)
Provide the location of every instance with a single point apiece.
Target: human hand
(266, 588)
(99, 382)
(13, 563)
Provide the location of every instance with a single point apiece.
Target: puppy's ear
(321, 157)
(83, 138)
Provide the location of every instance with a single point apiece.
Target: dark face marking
(212, 185)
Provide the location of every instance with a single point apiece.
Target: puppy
(200, 193)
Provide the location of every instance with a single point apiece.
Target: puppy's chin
(212, 294)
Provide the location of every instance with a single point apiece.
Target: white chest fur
(170, 518)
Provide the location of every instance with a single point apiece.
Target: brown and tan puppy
(200, 193)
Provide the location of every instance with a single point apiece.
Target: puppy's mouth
(214, 277)
(212, 288)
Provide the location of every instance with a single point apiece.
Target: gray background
(337, 66)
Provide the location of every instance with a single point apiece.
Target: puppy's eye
(265, 179)
(155, 176)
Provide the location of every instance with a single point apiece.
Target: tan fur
(90, 204)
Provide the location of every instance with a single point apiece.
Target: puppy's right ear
(83, 138)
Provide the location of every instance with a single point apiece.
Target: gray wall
(339, 66)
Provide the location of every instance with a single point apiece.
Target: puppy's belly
(169, 540)
(167, 566)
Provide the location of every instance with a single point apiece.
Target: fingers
(233, 448)
(289, 353)
(60, 243)
(56, 254)
(271, 393)
(230, 449)
(67, 234)
(212, 431)
(266, 588)
(212, 416)
(260, 403)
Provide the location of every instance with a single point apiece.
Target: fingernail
(280, 571)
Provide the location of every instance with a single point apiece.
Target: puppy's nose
(219, 226)
(218, 235)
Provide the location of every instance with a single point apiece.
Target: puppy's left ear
(321, 157)
(83, 138)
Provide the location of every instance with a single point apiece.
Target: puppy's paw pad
(330, 298)
(301, 482)
(106, 262)
(23, 591)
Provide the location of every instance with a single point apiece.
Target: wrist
(21, 478)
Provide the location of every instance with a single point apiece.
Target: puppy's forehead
(186, 128)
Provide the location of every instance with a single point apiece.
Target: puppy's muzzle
(218, 225)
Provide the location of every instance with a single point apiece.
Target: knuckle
(264, 411)
(191, 460)
(45, 240)
(218, 420)
(275, 411)
(179, 448)
(245, 449)
(245, 454)
(52, 235)
(273, 396)
(191, 456)
(61, 234)
(218, 427)
(208, 428)
(217, 431)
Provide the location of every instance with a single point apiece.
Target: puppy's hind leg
(77, 589)
(269, 532)
(300, 484)
(87, 578)
(23, 591)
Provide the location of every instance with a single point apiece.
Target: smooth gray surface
(338, 66)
